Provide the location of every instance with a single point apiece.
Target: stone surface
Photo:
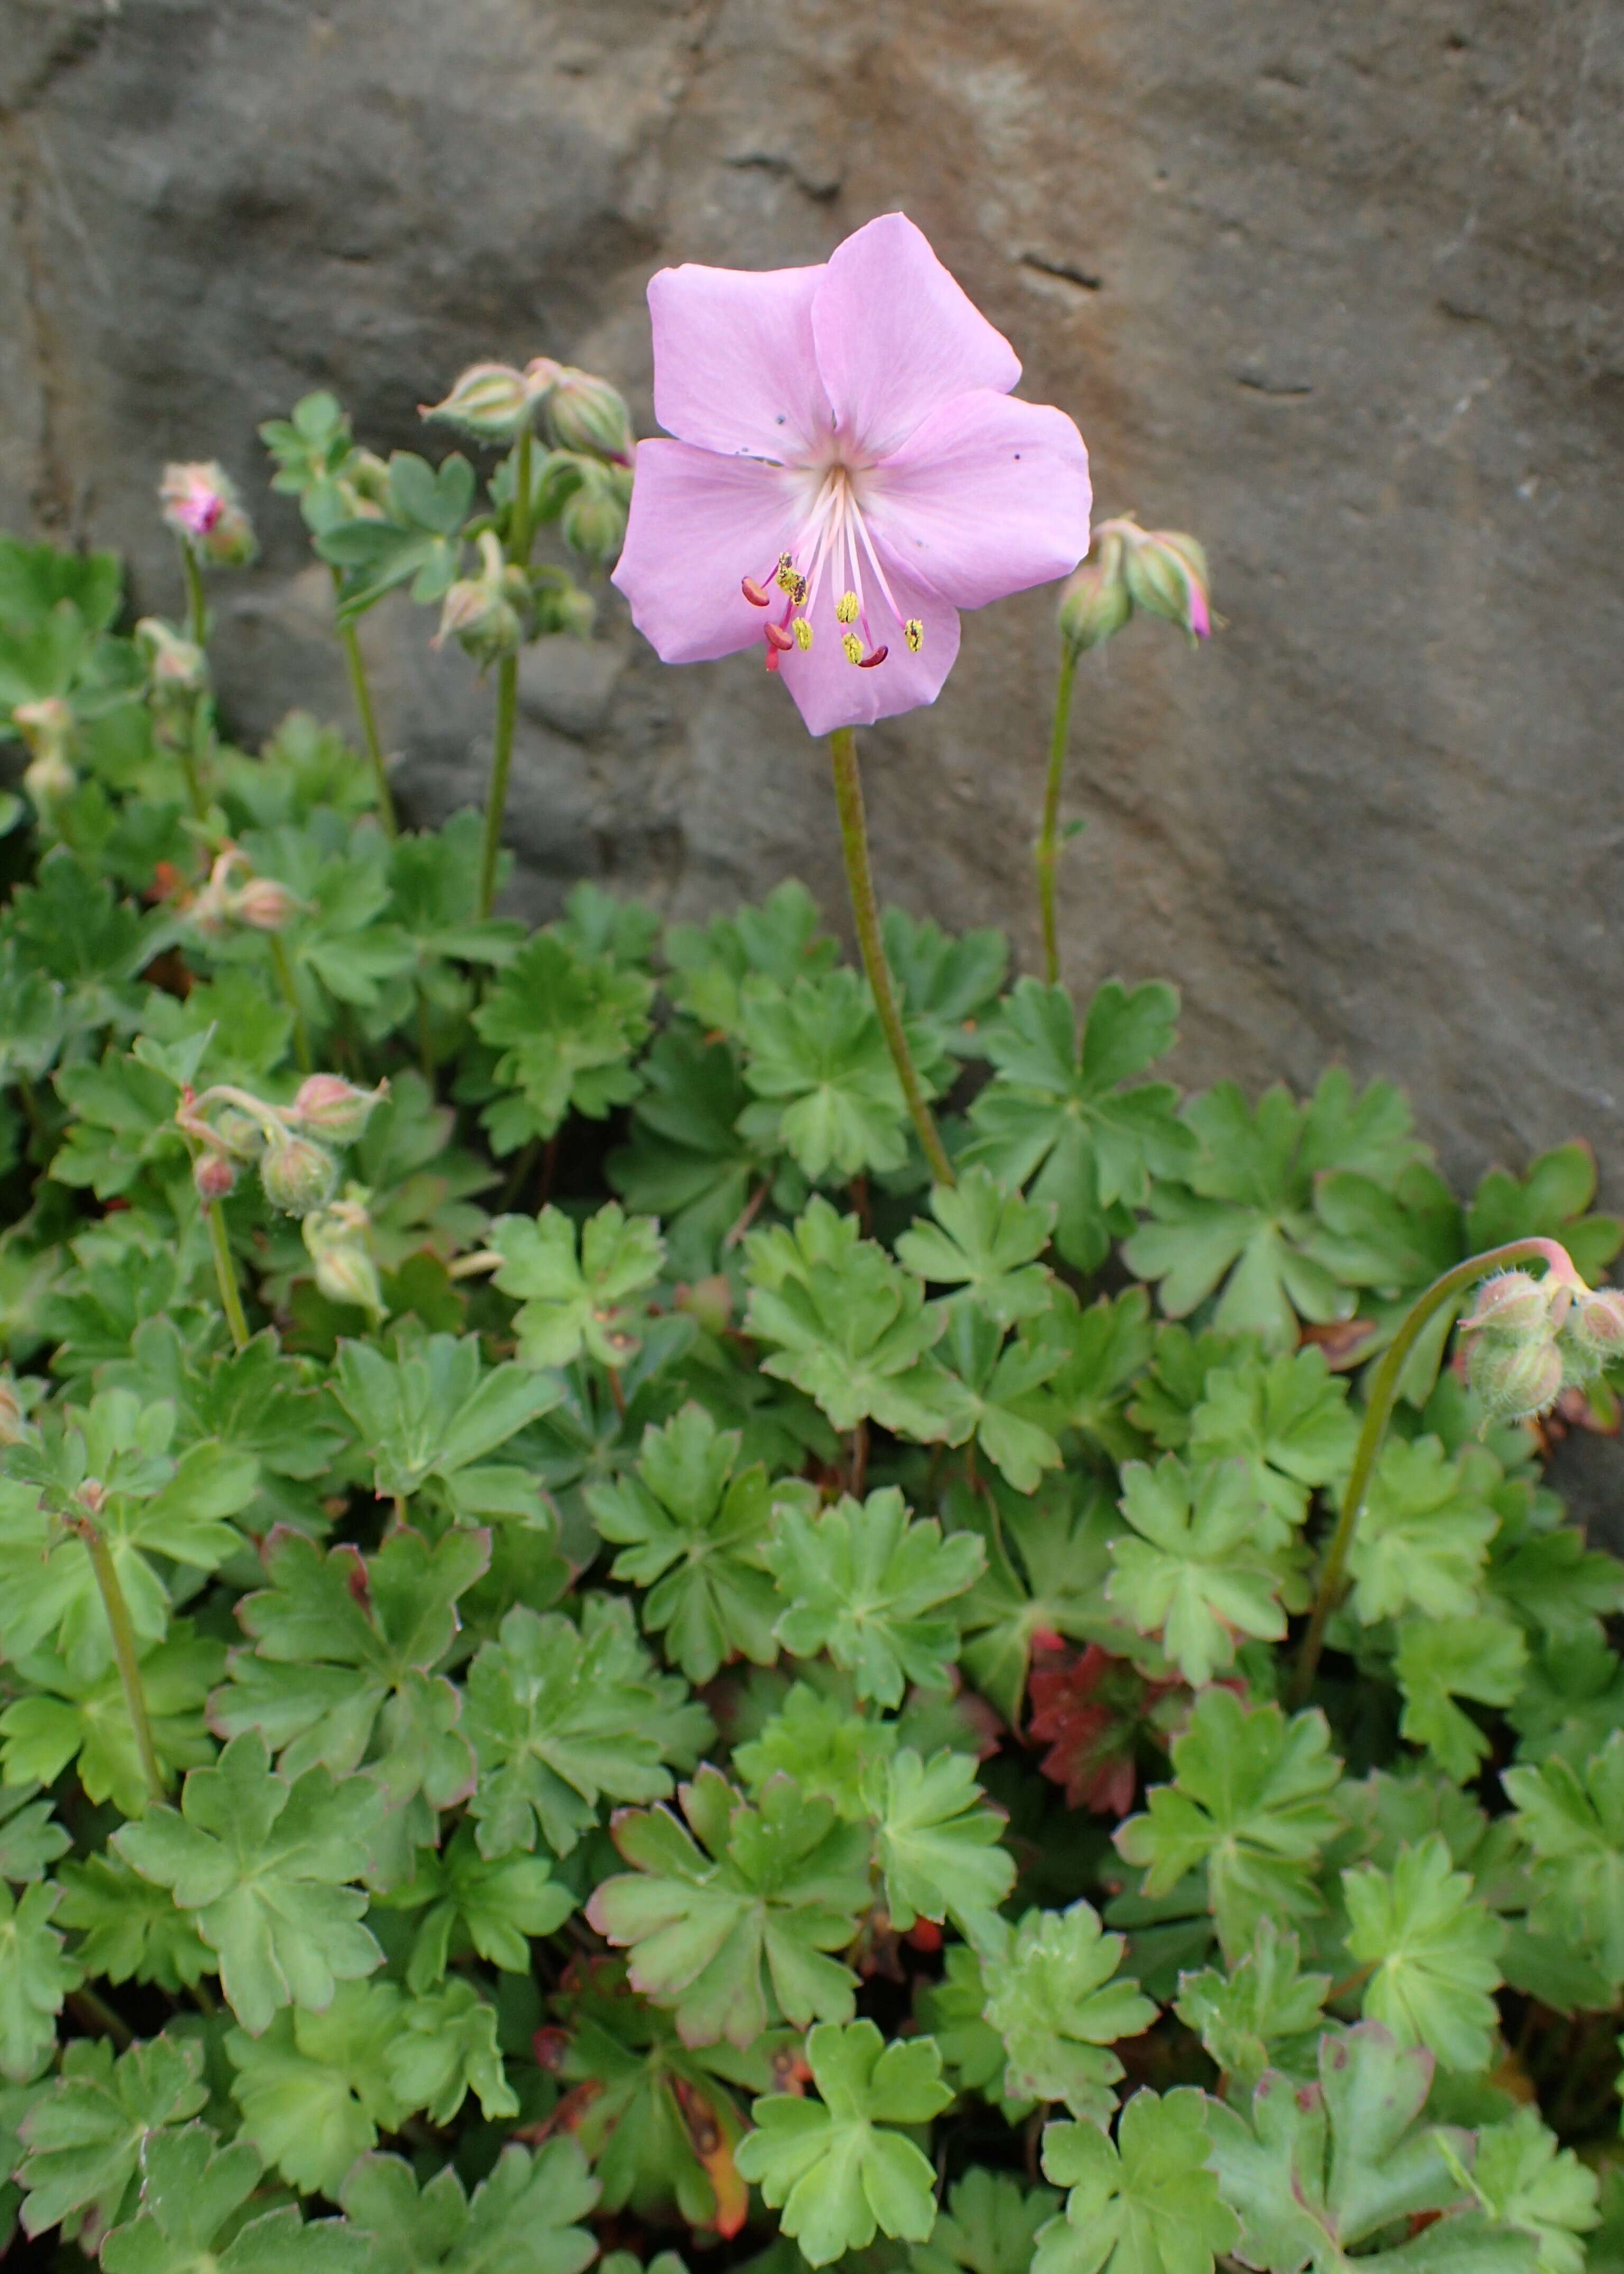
(1337, 286)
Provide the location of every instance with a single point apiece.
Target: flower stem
(1048, 836)
(197, 601)
(866, 912)
(124, 1651)
(290, 997)
(361, 695)
(1378, 1412)
(507, 687)
(225, 1272)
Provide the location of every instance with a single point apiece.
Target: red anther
(754, 593)
(778, 637)
(869, 661)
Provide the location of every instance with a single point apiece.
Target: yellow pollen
(786, 579)
(802, 630)
(853, 646)
(846, 608)
(913, 632)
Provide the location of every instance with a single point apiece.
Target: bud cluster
(484, 612)
(495, 403)
(233, 894)
(288, 1144)
(201, 506)
(1162, 572)
(1532, 1338)
(336, 1238)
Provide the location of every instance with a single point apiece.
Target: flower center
(833, 542)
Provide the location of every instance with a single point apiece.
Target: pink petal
(699, 522)
(830, 692)
(987, 497)
(735, 365)
(896, 337)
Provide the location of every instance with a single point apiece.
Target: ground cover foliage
(711, 1697)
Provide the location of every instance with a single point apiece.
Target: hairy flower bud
(593, 521)
(1595, 1325)
(1167, 576)
(240, 1134)
(48, 780)
(264, 904)
(489, 400)
(1513, 1303)
(296, 1174)
(1094, 601)
(11, 1426)
(46, 727)
(215, 1176)
(174, 666)
(1515, 1381)
(334, 1107)
(482, 612)
(200, 505)
(586, 413)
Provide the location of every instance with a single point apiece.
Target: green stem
(361, 695)
(507, 687)
(290, 997)
(187, 746)
(225, 1272)
(425, 1035)
(1378, 1412)
(123, 1652)
(866, 913)
(97, 2015)
(1048, 836)
(197, 600)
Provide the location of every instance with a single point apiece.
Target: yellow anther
(846, 608)
(802, 630)
(786, 578)
(853, 646)
(913, 632)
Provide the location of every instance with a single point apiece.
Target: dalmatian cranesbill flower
(849, 471)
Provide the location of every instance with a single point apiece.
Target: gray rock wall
(1335, 283)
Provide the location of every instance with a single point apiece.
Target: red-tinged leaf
(716, 2157)
(1090, 1711)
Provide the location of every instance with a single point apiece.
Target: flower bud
(297, 1175)
(1166, 573)
(593, 521)
(347, 1274)
(586, 413)
(46, 727)
(1094, 602)
(483, 611)
(11, 1426)
(1515, 1381)
(1512, 1304)
(264, 904)
(174, 666)
(48, 780)
(240, 1134)
(1595, 1325)
(215, 1176)
(561, 606)
(335, 1107)
(200, 505)
(489, 400)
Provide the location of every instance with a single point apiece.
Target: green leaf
(30, 1838)
(194, 2191)
(1441, 1660)
(850, 1327)
(561, 1716)
(867, 1581)
(34, 578)
(687, 1162)
(1259, 2015)
(825, 1744)
(1431, 1948)
(418, 542)
(1550, 1202)
(835, 2168)
(1250, 1802)
(1206, 1560)
(1289, 1422)
(936, 1842)
(1525, 2182)
(435, 1414)
(1058, 1111)
(128, 1929)
(1241, 1216)
(315, 2089)
(949, 986)
(445, 2049)
(1572, 1821)
(69, 1717)
(1056, 1999)
(35, 1977)
(748, 1897)
(519, 2221)
(1047, 1563)
(1001, 1394)
(817, 1057)
(566, 1026)
(779, 940)
(988, 2227)
(1423, 1532)
(1143, 2204)
(694, 1533)
(262, 1862)
(578, 1300)
(87, 2136)
(984, 1243)
(1106, 1346)
(1314, 2172)
(471, 1903)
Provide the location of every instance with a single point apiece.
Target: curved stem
(1048, 836)
(507, 687)
(290, 997)
(361, 695)
(225, 1272)
(866, 913)
(1378, 1412)
(123, 1652)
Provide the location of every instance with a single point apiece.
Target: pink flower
(850, 472)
